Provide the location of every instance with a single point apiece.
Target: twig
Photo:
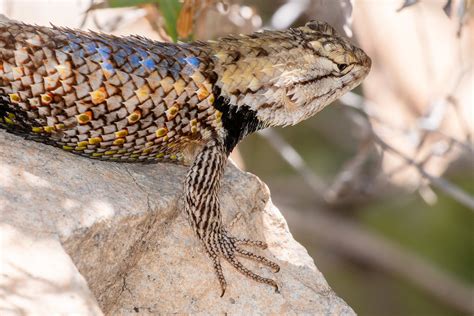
(92, 6)
(294, 159)
(354, 101)
(444, 185)
(406, 4)
(350, 182)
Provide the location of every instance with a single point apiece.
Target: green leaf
(170, 11)
(127, 3)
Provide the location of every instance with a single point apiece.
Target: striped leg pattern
(202, 207)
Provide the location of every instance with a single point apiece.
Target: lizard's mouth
(316, 79)
(328, 84)
(304, 98)
(356, 72)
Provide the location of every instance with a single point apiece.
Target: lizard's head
(288, 76)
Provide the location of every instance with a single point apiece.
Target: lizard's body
(135, 100)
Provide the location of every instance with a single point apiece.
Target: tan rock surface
(121, 226)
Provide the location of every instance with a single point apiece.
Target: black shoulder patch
(238, 121)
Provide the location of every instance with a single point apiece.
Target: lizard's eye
(341, 67)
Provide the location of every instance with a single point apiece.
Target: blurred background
(379, 187)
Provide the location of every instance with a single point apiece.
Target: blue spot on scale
(79, 53)
(149, 64)
(124, 48)
(122, 53)
(134, 61)
(74, 46)
(142, 53)
(90, 48)
(120, 57)
(104, 52)
(73, 38)
(128, 50)
(119, 60)
(108, 67)
(193, 61)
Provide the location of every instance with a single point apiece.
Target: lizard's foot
(227, 247)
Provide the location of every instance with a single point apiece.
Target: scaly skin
(130, 99)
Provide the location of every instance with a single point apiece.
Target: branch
(294, 159)
(444, 185)
(359, 103)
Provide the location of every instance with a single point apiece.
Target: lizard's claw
(228, 248)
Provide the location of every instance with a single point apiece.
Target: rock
(89, 237)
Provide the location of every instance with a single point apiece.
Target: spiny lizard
(131, 99)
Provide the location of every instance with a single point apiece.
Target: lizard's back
(101, 96)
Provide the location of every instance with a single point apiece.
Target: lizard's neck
(237, 121)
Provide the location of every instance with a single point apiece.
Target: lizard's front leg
(202, 207)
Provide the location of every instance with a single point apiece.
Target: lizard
(131, 99)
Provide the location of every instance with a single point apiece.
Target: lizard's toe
(237, 265)
(248, 242)
(265, 261)
(227, 247)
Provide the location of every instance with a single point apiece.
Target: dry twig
(354, 101)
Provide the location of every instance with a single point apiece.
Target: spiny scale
(123, 99)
